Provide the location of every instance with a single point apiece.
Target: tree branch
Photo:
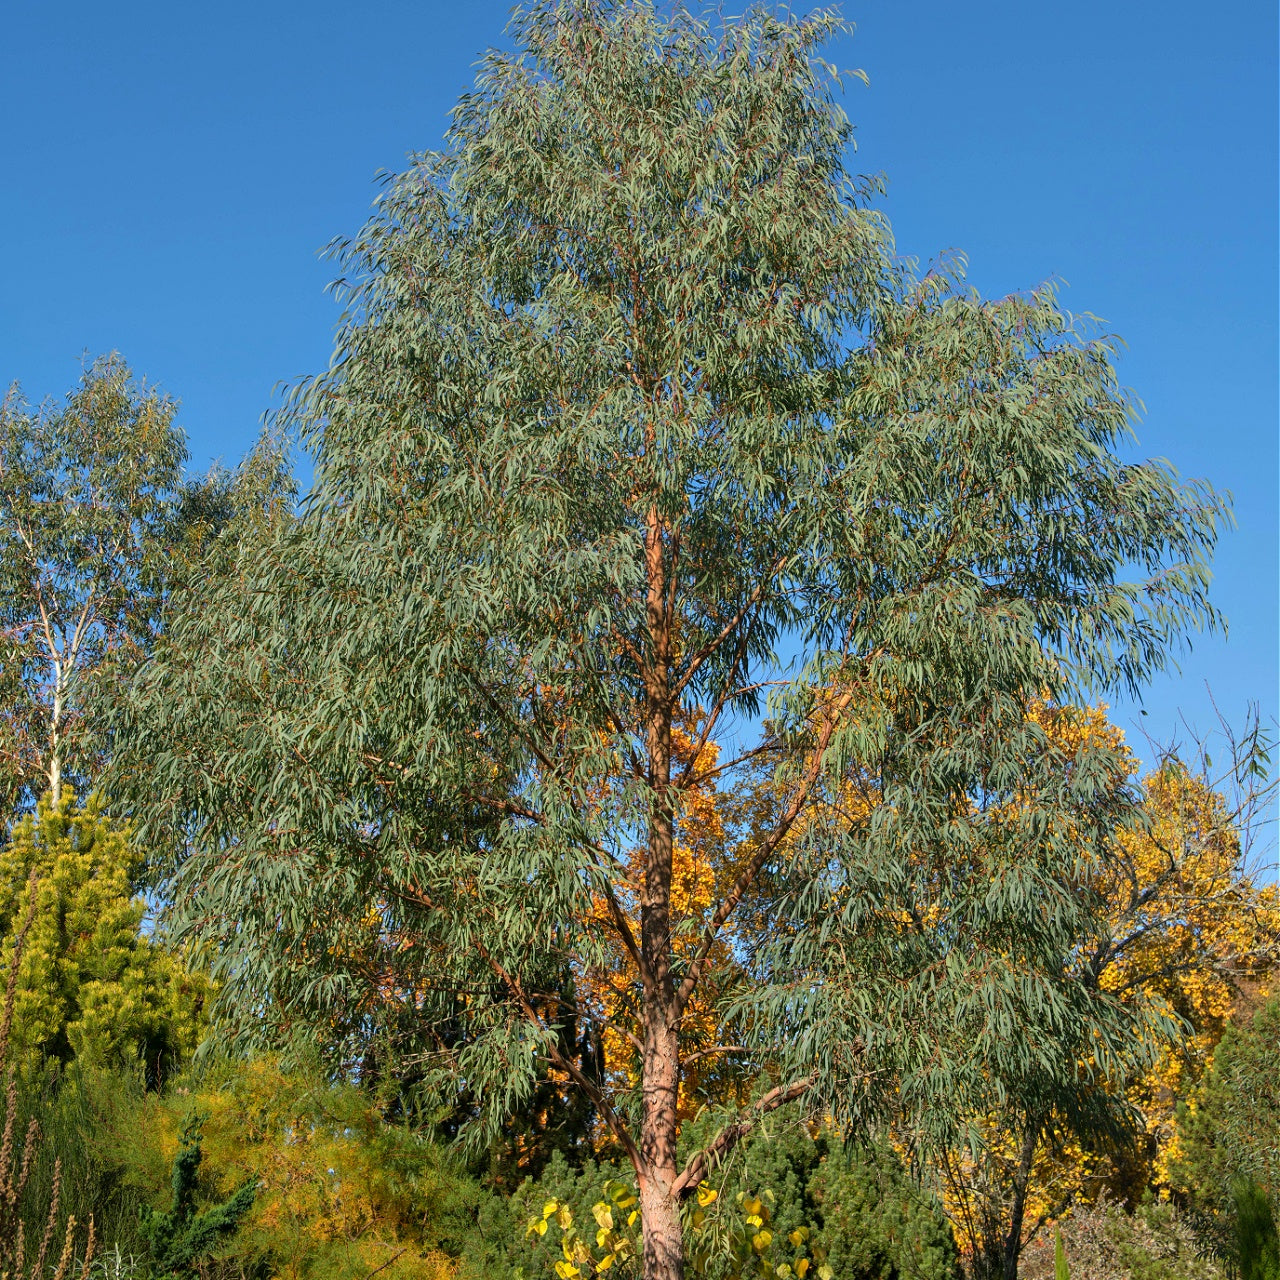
(691, 1058)
(567, 1065)
(728, 1138)
(696, 661)
(775, 838)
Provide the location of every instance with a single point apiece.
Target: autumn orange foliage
(705, 860)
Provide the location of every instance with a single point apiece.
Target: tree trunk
(660, 1088)
(660, 1063)
(1022, 1180)
(660, 1221)
(55, 740)
(55, 745)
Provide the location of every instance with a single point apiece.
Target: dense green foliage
(1258, 1243)
(631, 397)
(90, 986)
(180, 1238)
(876, 1223)
(1230, 1127)
(1228, 1157)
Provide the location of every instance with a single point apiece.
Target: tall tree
(86, 494)
(97, 523)
(631, 399)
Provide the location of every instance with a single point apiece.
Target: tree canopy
(632, 401)
(88, 493)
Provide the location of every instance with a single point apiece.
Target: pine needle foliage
(631, 401)
(1227, 1150)
(91, 987)
(1259, 1243)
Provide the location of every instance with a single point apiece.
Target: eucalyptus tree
(87, 491)
(98, 521)
(630, 401)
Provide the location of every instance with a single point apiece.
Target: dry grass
(16, 1165)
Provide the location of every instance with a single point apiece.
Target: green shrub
(505, 1247)
(1257, 1245)
(1229, 1138)
(851, 1211)
(876, 1222)
(1230, 1127)
(340, 1191)
(180, 1238)
(91, 987)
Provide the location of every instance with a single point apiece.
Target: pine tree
(1228, 1138)
(91, 987)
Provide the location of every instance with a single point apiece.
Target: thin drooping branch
(707, 650)
(567, 1065)
(703, 776)
(623, 928)
(713, 715)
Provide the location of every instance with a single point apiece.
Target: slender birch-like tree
(634, 421)
(98, 521)
(88, 492)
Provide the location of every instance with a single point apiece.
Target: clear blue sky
(170, 170)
